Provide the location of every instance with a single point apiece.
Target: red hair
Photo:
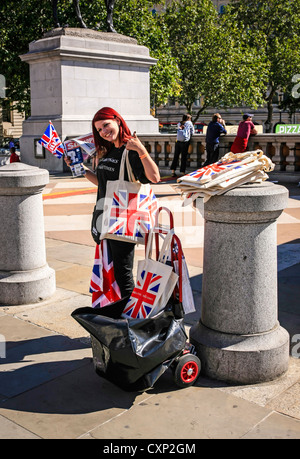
(107, 113)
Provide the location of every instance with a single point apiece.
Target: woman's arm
(90, 175)
(151, 169)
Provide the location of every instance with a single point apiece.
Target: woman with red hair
(111, 136)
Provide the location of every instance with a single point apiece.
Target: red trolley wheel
(187, 370)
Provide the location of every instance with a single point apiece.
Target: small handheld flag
(52, 142)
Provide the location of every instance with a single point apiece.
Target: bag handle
(149, 242)
(125, 160)
(165, 250)
(130, 173)
(122, 163)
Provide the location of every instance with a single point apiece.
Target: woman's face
(108, 130)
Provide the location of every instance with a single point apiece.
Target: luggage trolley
(134, 353)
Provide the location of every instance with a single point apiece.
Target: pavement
(48, 386)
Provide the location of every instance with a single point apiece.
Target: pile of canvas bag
(230, 171)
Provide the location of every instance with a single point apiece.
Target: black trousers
(123, 255)
(180, 147)
(212, 153)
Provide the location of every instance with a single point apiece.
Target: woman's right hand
(67, 160)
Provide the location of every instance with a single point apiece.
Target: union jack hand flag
(103, 286)
(143, 296)
(52, 142)
(132, 214)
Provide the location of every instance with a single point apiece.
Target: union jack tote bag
(129, 207)
(154, 285)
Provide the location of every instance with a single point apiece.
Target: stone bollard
(238, 337)
(25, 277)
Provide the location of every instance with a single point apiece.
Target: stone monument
(239, 338)
(73, 73)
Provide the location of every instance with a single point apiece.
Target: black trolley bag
(134, 353)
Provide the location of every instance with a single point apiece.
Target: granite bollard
(238, 338)
(25, 276)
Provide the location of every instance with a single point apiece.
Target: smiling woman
(112, 136)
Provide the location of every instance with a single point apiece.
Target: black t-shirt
(109, 168)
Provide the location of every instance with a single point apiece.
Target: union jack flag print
(132, 214)
(143, 296)
(205, 173)
(103, 286)
(52, 142)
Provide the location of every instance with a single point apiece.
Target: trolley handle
(156, 224)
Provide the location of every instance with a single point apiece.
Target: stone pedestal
(73, 73)
(238, 338)
(25, 277)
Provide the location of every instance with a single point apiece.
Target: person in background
(185, 130)
(246, 128)
(14, 158)
(215, 128)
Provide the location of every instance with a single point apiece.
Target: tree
(134, 18)
(21, 23)
(272, 29)
(213, 56)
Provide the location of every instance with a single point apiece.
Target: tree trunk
(270, 115)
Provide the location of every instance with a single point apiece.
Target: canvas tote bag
(129, 207)
(155, 283)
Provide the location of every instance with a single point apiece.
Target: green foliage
(20, 24)
(239, 58)
(134, 18)
(214, 58)
(272, 28)
(27, 20)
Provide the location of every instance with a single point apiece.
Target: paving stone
(69, 406)
(9, 430)
(35, 355)
(288, 402)
(275, 427)
(195, 412)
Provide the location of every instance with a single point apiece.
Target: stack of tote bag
(155, 283)
(158, 279)
(231, 171)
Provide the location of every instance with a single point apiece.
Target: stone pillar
(238, 337)
(277, 157)
(25, 277)
(73, 73)
(290, 159)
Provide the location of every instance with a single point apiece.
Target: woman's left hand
(135, 144)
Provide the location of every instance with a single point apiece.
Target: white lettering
(2, 347)
(296, 347)
(123, 449)
(295, 90)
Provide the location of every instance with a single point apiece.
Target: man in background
(215, 128)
